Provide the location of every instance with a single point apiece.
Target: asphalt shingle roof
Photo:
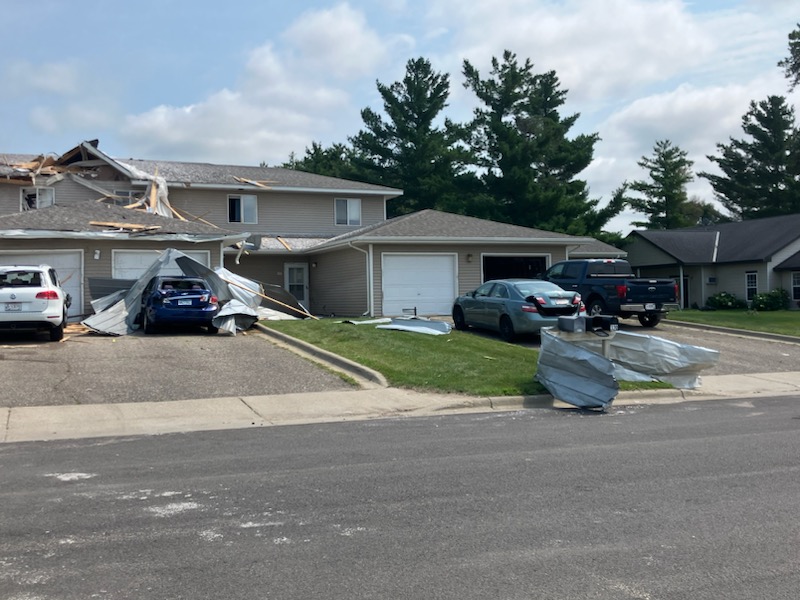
(78, 218)
(211, 174)
(741, 241)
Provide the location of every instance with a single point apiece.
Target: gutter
(370, 295)
(27, 234)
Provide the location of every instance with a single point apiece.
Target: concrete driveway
(88, 368)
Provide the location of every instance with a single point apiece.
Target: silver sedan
(515, 306)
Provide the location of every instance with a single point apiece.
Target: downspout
(680, 273)
(370, 308)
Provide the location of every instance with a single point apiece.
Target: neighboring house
(325, 240)
(742, 258)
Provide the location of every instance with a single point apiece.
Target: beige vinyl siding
(102, 266)
(278, 213)
(338, 284)
(469, 274)
(259, 267)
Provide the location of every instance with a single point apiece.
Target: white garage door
(131, 264)
(425, 282)
(68, 264)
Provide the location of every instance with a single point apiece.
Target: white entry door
(295, 278)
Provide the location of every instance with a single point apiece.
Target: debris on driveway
(241, 299)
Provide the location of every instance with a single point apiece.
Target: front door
(295, 278)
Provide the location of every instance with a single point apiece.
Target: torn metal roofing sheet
(575, 375)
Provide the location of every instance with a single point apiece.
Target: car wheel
(57, 333)
(650, 319)
(458, 319)
(147, 326)
(596, 307)
(507, 329)
(212, 329)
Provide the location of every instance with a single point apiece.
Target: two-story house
(325, 240)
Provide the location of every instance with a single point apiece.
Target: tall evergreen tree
(791, 64)
(529, 165)
(334, 161)
(761, 175)
(664, 198)
(408, 150)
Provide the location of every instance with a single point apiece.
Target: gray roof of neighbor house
(741, 241)
(433, 226)
(83, 220)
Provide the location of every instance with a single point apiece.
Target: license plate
(562, 301)
(184, 302)
(650, 306)
(13, 306)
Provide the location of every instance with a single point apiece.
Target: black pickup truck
(609, 287)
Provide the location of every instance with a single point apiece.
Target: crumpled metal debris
(575, 375)
(240, 298)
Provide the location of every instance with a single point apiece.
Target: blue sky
(245, 82)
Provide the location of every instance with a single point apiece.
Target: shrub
(725, 301)
(777, 299)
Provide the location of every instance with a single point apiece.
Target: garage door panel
(422, 282)
(132, 264)
(68, 265)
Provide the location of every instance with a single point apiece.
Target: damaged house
(325, 240)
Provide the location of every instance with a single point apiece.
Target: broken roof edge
(33, 234)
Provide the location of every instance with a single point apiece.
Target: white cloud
(62, 79)
(338, 41)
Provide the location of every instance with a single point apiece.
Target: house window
(348, 211)
(751, 284)
(36, 197)
(243, 209)
(795, 286)
(125, 197)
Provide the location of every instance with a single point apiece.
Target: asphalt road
(179, 365)
(683, 502)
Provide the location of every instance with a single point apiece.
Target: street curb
(326, 358)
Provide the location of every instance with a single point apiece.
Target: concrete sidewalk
(372, 400)
(375, 401)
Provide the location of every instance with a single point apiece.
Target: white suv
(31, 298)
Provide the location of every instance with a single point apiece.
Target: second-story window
(348, 211)
(37, 197)
(243, 208)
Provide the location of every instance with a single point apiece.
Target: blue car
(178, 300)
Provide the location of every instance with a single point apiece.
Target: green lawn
(786, 322)
(458, 362)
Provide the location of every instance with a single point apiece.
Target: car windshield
(529, 288)
(25, 278)
(183, 284)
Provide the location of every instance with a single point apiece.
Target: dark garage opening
(505, 267)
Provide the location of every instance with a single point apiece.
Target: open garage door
(505, 266)
(67, 263)
(422, 282)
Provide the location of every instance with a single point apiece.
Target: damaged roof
(97, 217)
(275, 178)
